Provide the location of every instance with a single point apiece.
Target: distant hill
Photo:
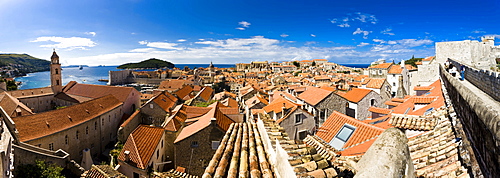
(150, 64)
(22, 64)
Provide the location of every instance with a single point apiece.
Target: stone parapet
(486, 80)
(480, 116)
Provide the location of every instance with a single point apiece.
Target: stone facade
(361, 108)
(298, 124)
(481, 55)
(195, 152)
(120, 77)
(38, 103)
(333, 102)
(94, 134)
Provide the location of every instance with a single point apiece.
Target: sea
(92, 74)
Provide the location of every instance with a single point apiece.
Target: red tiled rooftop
(381, 66)
(379, 110)
(395, 69)
(50, 122)
(375, 83)
(336, 121)
(430, 58)
(142, 143)
(417, 88)
(356, 94)
(314, 95)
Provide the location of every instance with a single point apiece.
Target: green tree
(314, 63)
(296, 64)
(40, 169)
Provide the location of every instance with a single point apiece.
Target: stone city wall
(481, 123)
(486, 80)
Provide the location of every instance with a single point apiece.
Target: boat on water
(103, 80)
(81, 67)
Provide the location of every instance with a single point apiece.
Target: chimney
(213, 121)
(402, 64)
(87, 159)
(271, 96)
(283, 109)
(127, 155)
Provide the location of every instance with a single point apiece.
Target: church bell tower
(55, 73)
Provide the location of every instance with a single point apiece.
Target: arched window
(372, 102)
(87, 130)
(57, 82)
(77, 134)
(57, 71)
(66, 139)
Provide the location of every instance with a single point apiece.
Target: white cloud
(240, 28)
(181, 40)
(344, 25)
(162, 45)
(333, 20)
(284, 35)
(66, 43)
(236, 50)
(91, 33)
(364, 17)
(142, 50)
(387, 31)
(378, 41)
(363, 44)
(313, 35)
(478, 31)
(244, 24)
(359, 31)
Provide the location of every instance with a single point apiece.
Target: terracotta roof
(102, 171)
(379, 110)
(172, 85)
(96, 91)
(395, 69)
(418, 63)
(165, 100)
(50, 122)
(336, 121)
(184, 91)
(141, 143)
(206, 93)
(356, 94)
(31, 92)
(375, 83)
(391, 103)
(399, 100)
(314, 95)
(276, 105)
(173, 174)
(428, 58)
(410, 67)
(435, 153)
(412, 122)
(381, 66)
(204, 121)
(423, 99)
(320, 60)
(12, 106)
(230, 102)
(130, 118)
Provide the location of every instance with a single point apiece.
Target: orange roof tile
(376, 83)
(183, 92)
(142, 143)
(423, 99)
(204, 121)
(356, 94)
(276, 105)
(379, 110)
(50, 122)
(410, 67)
(320, 60)
(391, 103)
(165, 100)
(206, 93)
(336, 121)
(314, 95)
(430, 58)
(97, 91)
(381, 66)
(395, 69)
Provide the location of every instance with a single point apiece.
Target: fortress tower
(55, 73)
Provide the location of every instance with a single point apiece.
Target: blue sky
(99, 32)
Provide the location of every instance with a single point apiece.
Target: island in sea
(152, 63)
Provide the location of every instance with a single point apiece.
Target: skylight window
(342, 136)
